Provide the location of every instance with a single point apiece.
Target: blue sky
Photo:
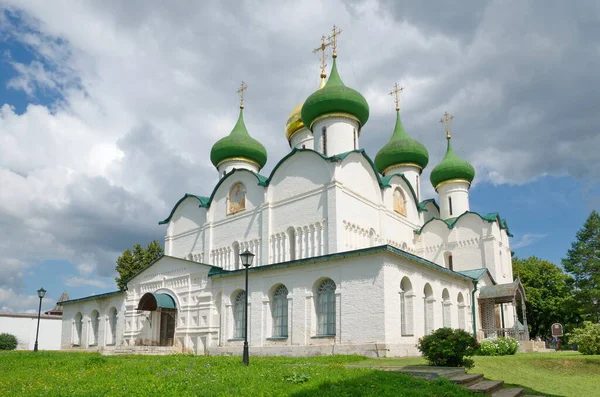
(108, 114)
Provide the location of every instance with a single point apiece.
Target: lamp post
(41, 292)
(247, 258)
(595, 302)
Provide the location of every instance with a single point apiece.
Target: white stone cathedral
(349, 258)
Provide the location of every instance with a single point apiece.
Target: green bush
(8, 342)
(448, 347)
(502, 346)
(586, 338)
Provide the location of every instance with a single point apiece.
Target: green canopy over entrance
(156, 302)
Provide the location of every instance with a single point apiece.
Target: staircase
(473, 382)
(143, 350)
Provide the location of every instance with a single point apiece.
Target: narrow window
(325, 141)
(418, 190)
(326, 308)
(450, 204)
(355, 145)
(303, 146)
(450, 264)
(280, 312)
(239, 315)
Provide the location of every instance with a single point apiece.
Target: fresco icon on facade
(399, 202)
(237, 198)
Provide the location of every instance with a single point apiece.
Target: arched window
(280, 312)
(399, 202)
(461, 310)
(237, 198)
(112, 321)
(428, 308)
(95, 319)
(239, 315)
(324, 140)
(326, 308)
(446, 305)
(78, 325)
(406, 307)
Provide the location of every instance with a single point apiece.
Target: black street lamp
(595, 302)
(247, 258)
(41, 292)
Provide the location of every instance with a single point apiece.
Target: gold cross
(333, 40)
(396, 93)
(243, 87)
(322, 48)
(446, 122)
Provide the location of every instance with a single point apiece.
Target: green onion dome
(451, 168)
(238, 145)
(401, 150)
(335, 99)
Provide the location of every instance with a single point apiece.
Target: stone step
(511, 392)
(466, 379)
(487, 386)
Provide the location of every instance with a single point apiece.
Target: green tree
(132, 262)
(583, 262)
(548, 291)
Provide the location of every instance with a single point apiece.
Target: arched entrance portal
(166, 310)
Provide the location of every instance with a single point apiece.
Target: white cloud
(79, 281)
(143, 91)
(526, 240)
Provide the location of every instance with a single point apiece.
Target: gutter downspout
(473, 308)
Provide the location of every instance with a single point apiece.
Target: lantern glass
(247, 258)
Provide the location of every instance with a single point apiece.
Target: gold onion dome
(294, 121)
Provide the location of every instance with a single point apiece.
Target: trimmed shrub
(502, 346)
(449, 348)
(8, 342)
(586, 338)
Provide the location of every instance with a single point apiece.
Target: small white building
(349, 257)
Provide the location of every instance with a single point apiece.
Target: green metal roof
(85, 298)
(203, 203)
(342, 255)
(423, 205)
(475, 274)
(401, 148)
(239, 143)
(335, 97)
(451, 222)
(451, 167)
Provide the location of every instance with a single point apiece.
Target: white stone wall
(302, 139)
(342, 135)
(458, 192)
(24, 327)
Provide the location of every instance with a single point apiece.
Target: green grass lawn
(89, 374)
(548, 374)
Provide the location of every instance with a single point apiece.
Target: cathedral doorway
(167, 328)
(163, 311)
